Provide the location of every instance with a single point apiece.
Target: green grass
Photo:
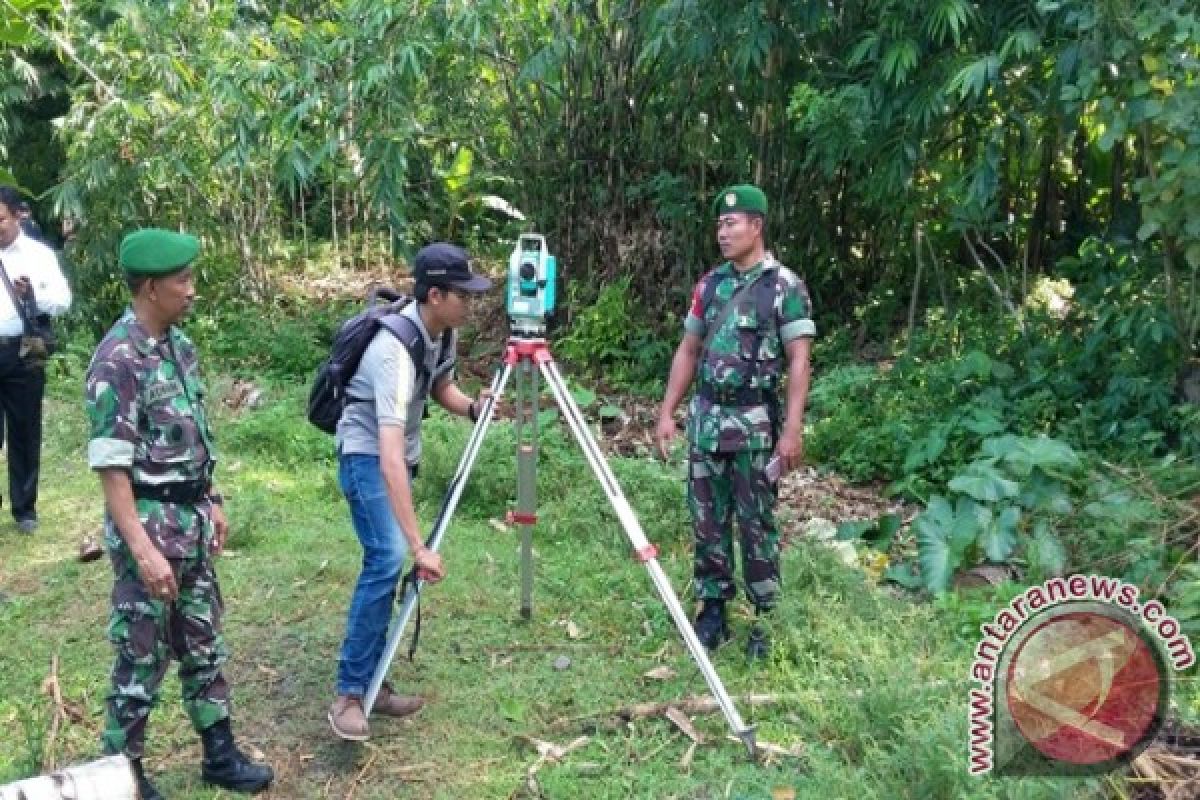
(874, 682)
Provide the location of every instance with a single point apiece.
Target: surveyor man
(749, 325)
(152, 447)
(379, 450)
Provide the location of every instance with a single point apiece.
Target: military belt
(737, 397)
(182, 492)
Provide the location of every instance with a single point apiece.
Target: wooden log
(107, 779)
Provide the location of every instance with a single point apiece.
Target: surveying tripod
(530, 356)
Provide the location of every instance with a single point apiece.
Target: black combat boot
(758, 645)
(227, 766)
(146, 790)
(711, 628)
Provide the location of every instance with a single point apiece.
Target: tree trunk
(1041, 212)
(107, 779)
(916, 288)
(1116, 182)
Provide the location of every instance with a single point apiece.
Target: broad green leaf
(903, 575)
(970, 518)
(983, 422)
(1041, 493)
(15, 33)
(975, 364)
(999, 536)
(584, 398)
(984, 483)
(460, 170)
(610, 412)
(1193, 255)
(876, 533)
(1023, 453)
(944, 534)
(1045, 551)
(925, 450)
(938, 563)
(889, 526)
(938, 516)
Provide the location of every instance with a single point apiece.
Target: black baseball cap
(444, 264)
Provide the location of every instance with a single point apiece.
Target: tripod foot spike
(747, 737)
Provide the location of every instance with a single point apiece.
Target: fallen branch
(413, 771)
(768, 749)
(703, 704)
(51, 687)
(548, 753)
(684, 723)
(361, 774)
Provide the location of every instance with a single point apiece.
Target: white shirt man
(32, 274)
(30, 259)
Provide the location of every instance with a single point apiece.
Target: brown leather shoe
(347, 719)
(89, 550)
(396, 705)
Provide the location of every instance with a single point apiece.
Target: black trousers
(21, 389)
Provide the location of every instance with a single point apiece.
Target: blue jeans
(384, 551)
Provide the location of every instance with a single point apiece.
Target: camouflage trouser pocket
(133, 628)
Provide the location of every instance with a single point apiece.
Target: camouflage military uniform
(145, 407)
(734, 421)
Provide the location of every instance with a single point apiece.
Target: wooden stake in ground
(107, 779)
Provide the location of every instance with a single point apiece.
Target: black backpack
(329, 395)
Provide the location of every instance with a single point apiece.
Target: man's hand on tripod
(429, 565)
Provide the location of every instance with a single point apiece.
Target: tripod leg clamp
(646, 553)
(521, 518)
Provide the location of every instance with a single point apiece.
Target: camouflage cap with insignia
(740, 197)
(155, 251)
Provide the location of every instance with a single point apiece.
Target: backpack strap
(710, 293)
(444, 354)
(404, 329)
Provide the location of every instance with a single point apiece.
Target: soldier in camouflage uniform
(749, 325)
(152, 446)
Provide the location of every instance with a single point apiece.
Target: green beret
(154, 252)
(742, 197)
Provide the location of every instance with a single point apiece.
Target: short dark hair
(11, 198)
(421, 291)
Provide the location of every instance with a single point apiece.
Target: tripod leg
(449, 504)
(645, 551)
(528, 392)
